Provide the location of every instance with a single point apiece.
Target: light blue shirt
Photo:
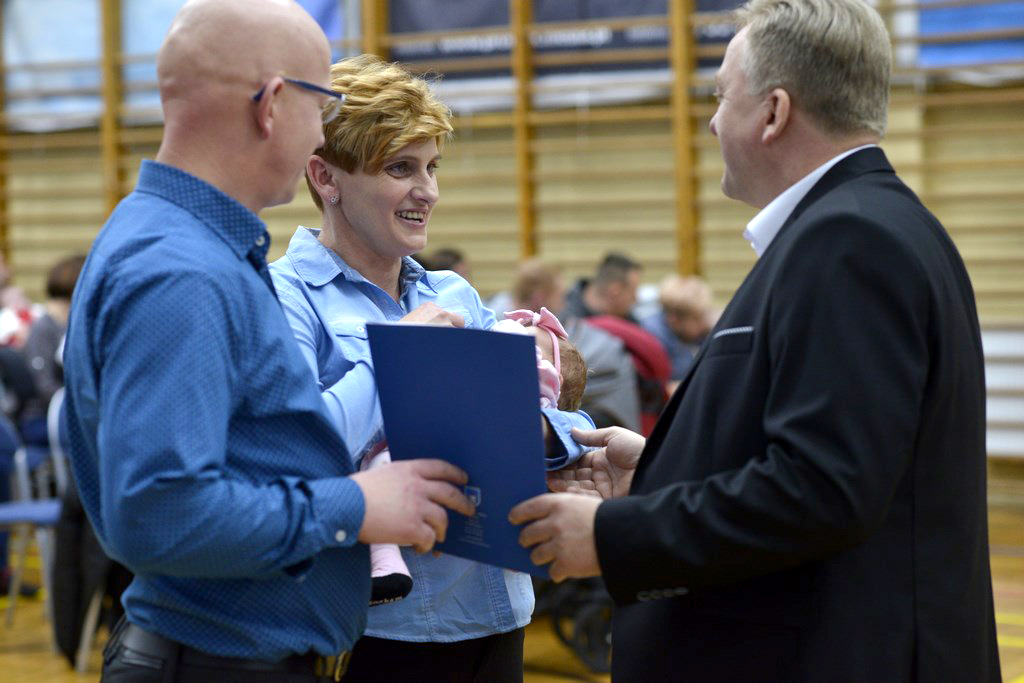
(328, 304)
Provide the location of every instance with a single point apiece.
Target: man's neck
(210, 162)
(802, 155)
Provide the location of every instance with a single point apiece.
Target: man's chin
(284, 198)
(726, 185)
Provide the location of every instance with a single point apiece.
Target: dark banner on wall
(415, 16)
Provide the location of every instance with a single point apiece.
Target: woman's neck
(381, 271)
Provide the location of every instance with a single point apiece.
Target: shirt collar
(237, 226)
(763, 228)
(317, 265)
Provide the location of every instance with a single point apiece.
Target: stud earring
(334, 199)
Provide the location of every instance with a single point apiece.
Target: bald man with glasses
(205, 457)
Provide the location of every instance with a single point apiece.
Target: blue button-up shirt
(205, 457)
(328, 304)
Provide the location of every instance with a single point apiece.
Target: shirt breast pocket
(350, 337)
(731, 341)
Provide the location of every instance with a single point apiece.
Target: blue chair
(26, 514)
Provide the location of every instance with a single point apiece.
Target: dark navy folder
(469, 397)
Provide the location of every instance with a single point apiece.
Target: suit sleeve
(848, 357)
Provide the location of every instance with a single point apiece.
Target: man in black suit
(811, 503)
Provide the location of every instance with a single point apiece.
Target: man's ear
(263, 112)
(321, 177)
(778, 115)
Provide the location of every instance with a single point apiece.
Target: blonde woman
(375, 181)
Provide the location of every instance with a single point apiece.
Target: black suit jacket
(811, 504)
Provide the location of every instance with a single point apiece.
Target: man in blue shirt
(205, 457)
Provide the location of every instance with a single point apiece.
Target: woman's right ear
(321, 177)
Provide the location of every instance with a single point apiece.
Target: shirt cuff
(338, 507)
(567, 450)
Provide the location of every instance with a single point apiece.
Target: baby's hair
(574, 376)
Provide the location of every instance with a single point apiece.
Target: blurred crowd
(31, 337)
(637, 340)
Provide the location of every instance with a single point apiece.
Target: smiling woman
(381, 217)
(375, 181)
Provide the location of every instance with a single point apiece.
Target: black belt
(146, 647)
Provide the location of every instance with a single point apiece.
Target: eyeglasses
(330, 110)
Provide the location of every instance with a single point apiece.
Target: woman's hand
(432, 314)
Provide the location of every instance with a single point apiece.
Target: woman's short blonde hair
(833, 57)
(385, 109)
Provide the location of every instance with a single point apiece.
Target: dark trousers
(135, 656)
(492, 659)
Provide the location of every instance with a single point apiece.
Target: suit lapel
(868, 160)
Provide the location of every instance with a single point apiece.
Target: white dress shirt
(763, 228)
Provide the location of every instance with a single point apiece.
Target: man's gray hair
(833, 57)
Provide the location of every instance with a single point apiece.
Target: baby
(560, 367)
(562, 373)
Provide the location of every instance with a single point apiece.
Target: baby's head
(572, 367)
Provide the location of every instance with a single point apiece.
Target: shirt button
(260, 241)
(360, 328)
(340, 535)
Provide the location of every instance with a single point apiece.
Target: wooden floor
(26, 655)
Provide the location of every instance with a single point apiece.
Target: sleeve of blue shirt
(352, 400)
(169, 502)
(562, 423)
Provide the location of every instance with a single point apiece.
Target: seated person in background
(374, 180)
(611, 397)
(17, 394)
(16, 310)
(612, 290)
(422, 259)
(607, 303)
(685, 318)
(44, 340)
(449, 258)
(562, 374)
(9, 444)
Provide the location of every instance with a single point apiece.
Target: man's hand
(560, 529)
(432, 314)
(406, 501)
(607, 471)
